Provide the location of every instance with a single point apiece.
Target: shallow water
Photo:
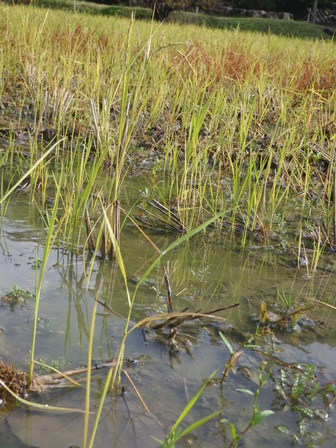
(206, 273)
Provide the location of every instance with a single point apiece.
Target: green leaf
(199, 423)
(227, 343)
(259, 416)
(36, 164)
(245, 391)
(39, 280)
(118, 255)
(190, 404)
(176, 243)
(233, 431)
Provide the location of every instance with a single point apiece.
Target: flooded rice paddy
(206, 273)
(234, 136)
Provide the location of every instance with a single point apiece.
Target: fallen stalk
(54, 378)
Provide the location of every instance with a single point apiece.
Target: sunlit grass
(238, 120)
(240, 128)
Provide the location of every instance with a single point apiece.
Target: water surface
(206, 273)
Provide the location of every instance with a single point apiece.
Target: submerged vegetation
(234, 134)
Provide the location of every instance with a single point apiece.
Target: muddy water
(206, 273)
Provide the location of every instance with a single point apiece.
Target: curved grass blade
(198, 424)
(177, 242)
(190, 404)
(64, 375)
(48, 246)
(42, 407)
(112, 374)
(118, 254)
(36, 164)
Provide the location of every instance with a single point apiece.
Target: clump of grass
(176, 433)
(232, 124)
(14, 384)
(235, 119)
(285, 300)
(15, 379)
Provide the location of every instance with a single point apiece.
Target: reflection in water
(124, 423)
(204, 274)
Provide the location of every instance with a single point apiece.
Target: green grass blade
(118, 255)
(227, 343)
(36, 164)
(259, 416)
(198, 424)
(177, 242)
(42, 407)
(190, 404)
(47, 249)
